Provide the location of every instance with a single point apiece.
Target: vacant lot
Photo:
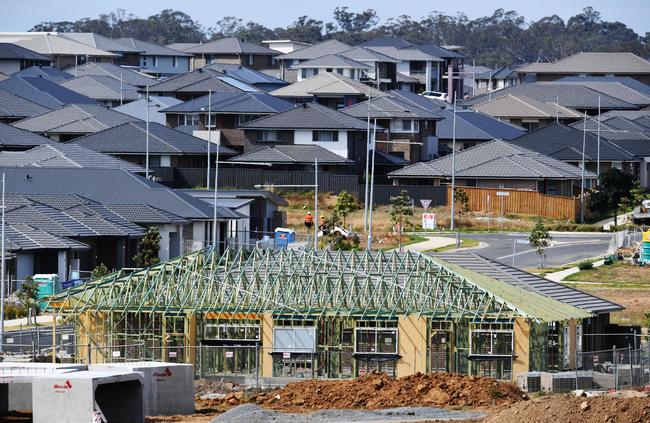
(617, 275)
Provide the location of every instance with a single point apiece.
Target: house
(295, 158)
(63, 52)
(14, 58)
(622, 88)
(103, 89)
(589, 64)
(285, 46)
(228, 110)
(127, 54)
(157, 60)
(330, 89)
(252, 77)
(495, 79)
(184, 222)
(138, 108)
(198, 83)
(497, 164)
(43, 92)
(167, 147)
(335, 63)
(565, 143)
(527, 112)
(119, 73)
(288, 60)
(53, 154)
(310, 124)
(13, 107)
(471, 127)
(231, 50)
(48, 72)
(72, 121)
(14, 139)
(403, 123)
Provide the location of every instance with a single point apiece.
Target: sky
(20, 15)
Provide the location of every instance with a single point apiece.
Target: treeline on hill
(504, 38)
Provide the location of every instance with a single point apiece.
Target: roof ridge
(151, 134)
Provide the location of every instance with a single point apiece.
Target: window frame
(397, 126)
(375, 346)
(492, 338)
(335, 136)
(194, 117)
(262, 138)
(219, 326)
(174, 61)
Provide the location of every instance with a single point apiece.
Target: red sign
(162, 375)
(62, 388)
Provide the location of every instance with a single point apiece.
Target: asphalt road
(565, 248)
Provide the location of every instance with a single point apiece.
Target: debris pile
(569, 408)
(377, 390)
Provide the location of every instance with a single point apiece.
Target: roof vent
(27, 177)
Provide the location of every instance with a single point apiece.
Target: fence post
(257, 365)
(89, 353)
(200, 361)
(615, 361)
(629, 347)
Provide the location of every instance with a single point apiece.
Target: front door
(439, 351)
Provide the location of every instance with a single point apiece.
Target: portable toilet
(48, 284)
(644, 256)
(284, 236)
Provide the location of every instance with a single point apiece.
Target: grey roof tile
(332, 61)
(48, 72)
(74, 119)
(230, 45)
(388, 108)
(101, 42)
(128, 76)
(591, 62)
(150, 49)
(131, 138)
(200, 80)
(43, 92)
(12, 138)
(250, 103)
(102, 88)
(248, 75)
(307, 116)
(327, 83)
(292, 154)
(317, 50)
(9, 51)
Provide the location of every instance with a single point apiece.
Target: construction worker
(323, 226)
(309, 220)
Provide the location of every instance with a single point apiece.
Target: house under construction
(293, 313)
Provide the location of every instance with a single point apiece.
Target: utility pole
(209, 125)
(2, 269)
(121, 90)
(316, 204)
(582, 182)
(216, 187)
(365, 200)
(598, 142)
(372, 184)
(453, 164)
(146, 172)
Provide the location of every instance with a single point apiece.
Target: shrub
(585, 265)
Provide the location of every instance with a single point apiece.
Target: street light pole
(582, 178)
(315, 204)
(365, 200)
(216, 188)
(209, 124)
(598, 142)
(453, 164)
(372, 185)
(146, 171)
(2, 269)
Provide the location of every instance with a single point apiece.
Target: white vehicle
(434, 95)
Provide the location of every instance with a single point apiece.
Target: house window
(175, 61)
(325, 136)
(250, 60)
(491, 342)
(352, 73)
(375, 341)
(339, 71)
(269, 136)
(329, 70)
(144, 61)
(303, 73)
(417, 67)
(165, 161)
(155, 61)
(230, 332)
(210, 120)
(409, 126)
(192, 120)
(315, 71)
(242, 119)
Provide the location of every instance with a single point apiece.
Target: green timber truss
(306, 283)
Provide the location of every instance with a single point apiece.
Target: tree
(28, 295)
(148, 248)
(614, 189)
(539, 239)
(462, 203)
(400, 211)
(345, 204)
(100, 270)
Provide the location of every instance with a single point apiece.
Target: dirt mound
(568, 408)
(377, 390)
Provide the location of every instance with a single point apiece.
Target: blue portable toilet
(284, 236)
(48, 284)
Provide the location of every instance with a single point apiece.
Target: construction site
(382, 329)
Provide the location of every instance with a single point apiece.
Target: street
(565, 248)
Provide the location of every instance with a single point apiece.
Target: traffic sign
(425, 203)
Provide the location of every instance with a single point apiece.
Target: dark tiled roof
(150, 49)
(110, 186)
(13, 137)
(494, 159)
(131, 138)
(530, 282)
(247, 75)
(616, 90)
(143, 213)
(438, 51)
(327, 84)
(102, 88)
(44, 92)
(74, 119)
(565, 143)
(388, 108)
(471, 125)
(624, 80)
(292, 154)
(9, 51)
(500, 73)
(64, 155)
(257, 103)
(128, 76)
(14, 107)
(364, 54)
(23, 237)
(47, 72)
(317, 50)
(230, 45)
(332, 61)
(307, 116)
(198, 81)
(387, 42)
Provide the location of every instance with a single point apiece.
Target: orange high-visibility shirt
(309, 218)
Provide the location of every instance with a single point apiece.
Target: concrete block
(75, 397)
(168, 387)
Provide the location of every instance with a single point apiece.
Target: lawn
(617, 275)
(464, 243)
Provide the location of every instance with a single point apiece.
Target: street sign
(502, 193)
(286, 355)
(425, 203)
(428, 221)
(230, 354)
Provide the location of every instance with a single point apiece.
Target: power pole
(582, 182)
(315, 204)
(209, 125)
(453, 164)
(146, 172)
(2, 269)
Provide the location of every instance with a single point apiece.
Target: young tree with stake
(539, 239)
